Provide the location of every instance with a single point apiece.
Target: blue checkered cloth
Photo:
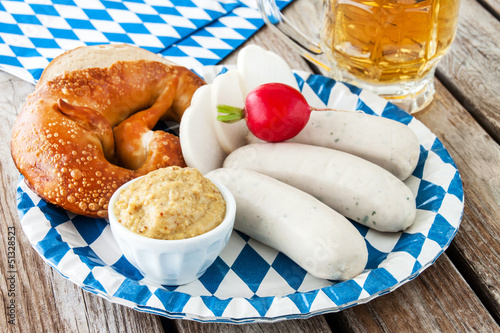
(250, 282)
(191, 33)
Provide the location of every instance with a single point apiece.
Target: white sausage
(317, 238)
(226, 90)
(199, 143)
(382, 141)
(258, 66)
(354, 187)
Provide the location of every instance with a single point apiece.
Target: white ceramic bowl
(173, 262)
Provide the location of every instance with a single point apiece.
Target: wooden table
(459, 293)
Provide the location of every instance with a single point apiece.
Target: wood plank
(44, 300)
(493, 6)
(438, 300)
(476, 248)
(471, 70)
(314, 324)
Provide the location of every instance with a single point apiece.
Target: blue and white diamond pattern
(249, 281)
(189, 32)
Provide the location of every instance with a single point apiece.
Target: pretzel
(85, 132)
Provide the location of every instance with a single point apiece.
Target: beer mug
(389, 47)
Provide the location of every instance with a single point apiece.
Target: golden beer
(387, 42)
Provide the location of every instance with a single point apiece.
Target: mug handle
(279, 24)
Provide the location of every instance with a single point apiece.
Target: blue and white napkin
(191, 33)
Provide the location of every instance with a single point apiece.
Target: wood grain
(493, 6)
(421, 305)
(476, 248)
(471, 70)
(314, 324)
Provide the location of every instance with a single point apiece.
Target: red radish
(273, 111)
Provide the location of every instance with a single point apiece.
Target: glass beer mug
(389, 47)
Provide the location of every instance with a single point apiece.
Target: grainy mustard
(171, 203)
